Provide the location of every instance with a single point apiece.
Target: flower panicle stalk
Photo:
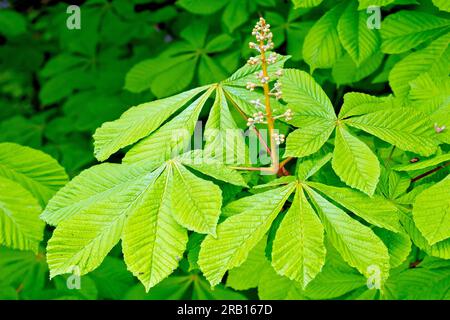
(263, 45)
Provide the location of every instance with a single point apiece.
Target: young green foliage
(289, 184)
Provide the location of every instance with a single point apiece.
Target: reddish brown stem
(244, 116)
(282, 170)
(423, 175)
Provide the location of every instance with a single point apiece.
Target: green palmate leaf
(335, 279)
(403, 127)
(356, 243)
(393, 184)
(405, 30)
(240, 232)
(428, 280)
(112, 278)
(196, 202)
(202, 6)
(345, 70)
(210, 71)
(431, 212)
(298, 249)
(359, 41)
(193, 249)
(220, 43)
(363, 4)
(34, 170)
(434, 59)
(248, 274)
(383, 73)
(111, 201)
(152, 72)
(247, 72)
(89, 188)
(322, 46)
(19, 217)
(356, 104)
(224, 140)
(423, 284)
(354, 162)
(429, 93)
(306, 3)
(296, 31)
(60, 63)
(308, 166)
(308, 140)
(274, 183)
(81, 242)
(203, 291)
(137, 123)
(332, 283)
(185, 286)
(423, 164)
(181, 68)
(313, 112)
(302, 92)
(169, 139)
(430, 90)
(440, 249)
(236, 13)
(12, 23)
(240, 98)
(443, 5)
(195, 33)
(153, 242)
(23, 269)
(198, 161)
(398, 244)
(272, 286)
(409, 197)
(87, 291)
(375, 210)
(140, 76)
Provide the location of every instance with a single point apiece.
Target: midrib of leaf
(204, 222)
(271, 217)
(326, 220)
(351, 154)
(117, 218)
(418, 33)
(10, 216)
(29, 180)
(93, 198)
(388, 130)
(156, 225)
(301, 230)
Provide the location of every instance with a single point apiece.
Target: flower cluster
(260, 75)
(251, 86)
(287, 115)
(264, 36)
(279, 138)
(438, 129)
(272, 58)
(262, 33)
(276, 90)
(253, 60)
(257, 118)
(257, 103)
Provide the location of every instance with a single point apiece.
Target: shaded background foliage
(58, 85)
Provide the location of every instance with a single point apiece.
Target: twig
(423, 175)
(244, 116)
